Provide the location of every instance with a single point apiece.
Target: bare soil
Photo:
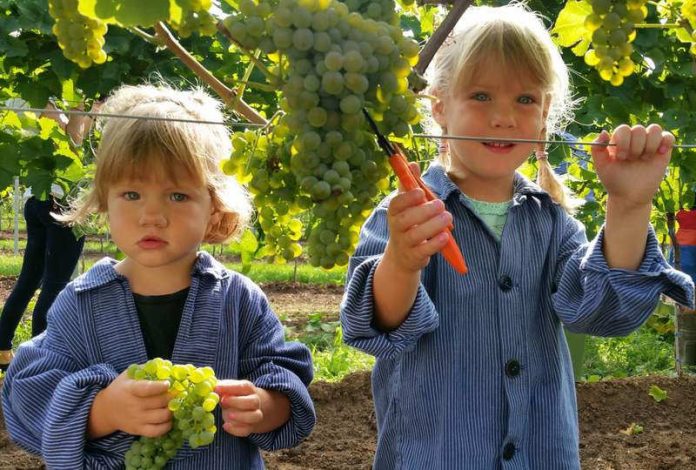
(344, 437)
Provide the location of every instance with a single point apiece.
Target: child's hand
(415, 229)
(137, 407)
(241, 406)
(632, 171)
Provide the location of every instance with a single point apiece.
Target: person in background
(51, 252)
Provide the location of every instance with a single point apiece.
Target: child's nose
(153, 214)
(502, 117)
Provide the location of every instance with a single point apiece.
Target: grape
(193, 401)
(337, 58)
(80, 38)
(612, 25)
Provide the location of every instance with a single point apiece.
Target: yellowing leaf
(569, 29)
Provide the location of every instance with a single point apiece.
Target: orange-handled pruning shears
(410, 181)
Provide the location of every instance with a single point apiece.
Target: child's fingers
(622, 140)
(235, 388)
(148, 388)
(159, 416)
(405, 200)
(241, 403)
(666, 143)
(636, 147)
(418, 215)
(653, 140)
(243, 417)
(428, 229)
(600, 152)
(155, 430)
(154, 402)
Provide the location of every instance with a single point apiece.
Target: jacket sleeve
(48, 393)
(357, 306)
(271, 363)
(592, 298)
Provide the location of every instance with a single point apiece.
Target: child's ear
(215, 217)
(438, 111)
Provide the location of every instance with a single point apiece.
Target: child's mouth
(499, 147)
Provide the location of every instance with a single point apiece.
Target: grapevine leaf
(104, 10)
(683, 35)
(139, 13)
(657, 393)
(569, 29)
(11, 120)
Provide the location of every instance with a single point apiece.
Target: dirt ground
(344, 437)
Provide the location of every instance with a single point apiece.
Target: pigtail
(550, 182)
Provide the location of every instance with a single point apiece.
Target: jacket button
(508, 451)
(505, 283)
(512, 368)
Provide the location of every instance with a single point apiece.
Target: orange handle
(450, 251)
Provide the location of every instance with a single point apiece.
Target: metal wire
(251, 124)
(530, 141)
(129, 116)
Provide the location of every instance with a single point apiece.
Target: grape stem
(433, 45)
(145, 36)
(273, 78)
(657, 26)
(228, 95)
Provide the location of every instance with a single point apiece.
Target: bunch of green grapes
(192, 404)
(612, 24)
(195, 18)
(380, 10)
(331, 64)
(80, 38)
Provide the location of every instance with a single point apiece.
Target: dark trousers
(49, 260)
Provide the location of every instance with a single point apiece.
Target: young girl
(473, 371)
(67, 396)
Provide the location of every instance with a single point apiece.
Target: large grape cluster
(331, 64)
(612, 24)
(195, 18)
(80, 38)
(193, 401)
(380, 10)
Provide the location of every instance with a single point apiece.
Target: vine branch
(440, 34)
(228, 95)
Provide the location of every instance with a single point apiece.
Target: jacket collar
(104, 272)
(437, 179)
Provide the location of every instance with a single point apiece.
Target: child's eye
(526, 99)
(131, 196)
(480, 96)
(179, 197)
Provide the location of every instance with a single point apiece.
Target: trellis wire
(251, 124)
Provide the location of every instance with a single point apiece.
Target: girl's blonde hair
(136, 148)
(515, 38)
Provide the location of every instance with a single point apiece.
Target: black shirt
(159, 317)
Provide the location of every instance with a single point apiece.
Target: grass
(643, 352)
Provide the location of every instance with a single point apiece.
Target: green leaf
(139, 13)
(127, 12)
(683, 35)
(657, 393)
(570, 25)
(11, 120)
